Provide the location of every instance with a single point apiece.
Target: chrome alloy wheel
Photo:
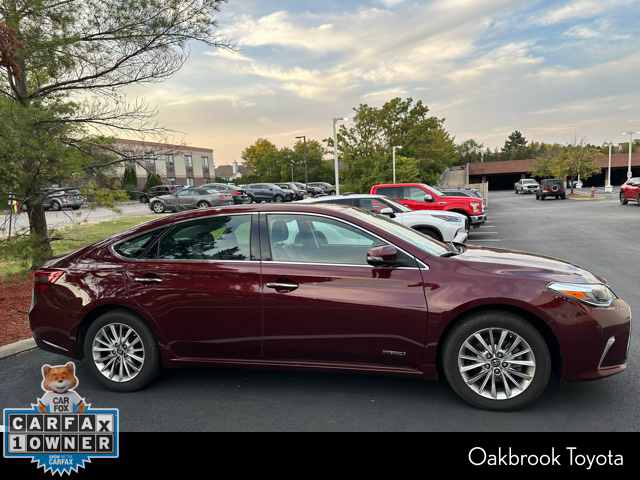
(497, 363)
(118, 352)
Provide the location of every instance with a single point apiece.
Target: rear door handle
(148, 280)
(283, 285)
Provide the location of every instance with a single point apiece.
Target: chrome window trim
(348, 223)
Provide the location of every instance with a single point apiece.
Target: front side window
(215, 238)
(311, 239)
(414, 193)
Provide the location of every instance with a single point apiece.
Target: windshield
(437, 192)
(407, 234)
(529, 181)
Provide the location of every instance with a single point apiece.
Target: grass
(83, 234)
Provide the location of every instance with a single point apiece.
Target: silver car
(190, 198)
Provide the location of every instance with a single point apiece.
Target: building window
(150, 160)
(129, 163)
(206, 180)
(169, 159)
(205, 162)
(191, 182)
(188, 161)
(171, 180)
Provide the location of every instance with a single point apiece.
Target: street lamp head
(343, 119)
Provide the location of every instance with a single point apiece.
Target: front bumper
(594, 342)
(477, 220)
(461, 236)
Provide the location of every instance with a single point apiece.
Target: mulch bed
(15, 300)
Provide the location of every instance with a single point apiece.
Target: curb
(18, 347)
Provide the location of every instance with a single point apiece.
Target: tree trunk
(39, 234)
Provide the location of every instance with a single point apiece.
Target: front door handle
(148, 280)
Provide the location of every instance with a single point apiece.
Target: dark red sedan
(219, 287)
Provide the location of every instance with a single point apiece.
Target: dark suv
(268, 192)
(159, 191)
(551, 188)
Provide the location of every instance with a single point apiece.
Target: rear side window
(343, 201)
(134, 247)
(390, 192)
(214, 238)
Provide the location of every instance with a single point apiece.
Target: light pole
(394, 162)
(609, 188)
(306, 176)
(335, 151)
(631, 134)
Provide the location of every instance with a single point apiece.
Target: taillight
(236, 193)
(43, 279)
(223, 197)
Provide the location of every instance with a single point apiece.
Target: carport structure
(503, 175)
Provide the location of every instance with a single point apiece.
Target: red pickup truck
(418, 196)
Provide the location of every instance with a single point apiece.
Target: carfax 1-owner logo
(60, 432)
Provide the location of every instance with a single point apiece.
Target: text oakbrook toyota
(569, 456)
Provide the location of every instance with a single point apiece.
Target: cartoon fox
(58, 383)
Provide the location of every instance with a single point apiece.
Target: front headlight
(448, 218)
(596, 295)
(476, 206)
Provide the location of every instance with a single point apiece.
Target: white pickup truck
(526, 185)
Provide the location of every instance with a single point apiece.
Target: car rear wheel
(623, 199)
(204, 205)
(122, 352)
(158, 207)
(496, 360)
(56, 206)
(144, 199)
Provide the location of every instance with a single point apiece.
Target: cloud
(579, 9)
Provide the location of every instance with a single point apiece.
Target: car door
(186, 199)
(414, 198)
(324, 304)
(633, 190)
(201, 284)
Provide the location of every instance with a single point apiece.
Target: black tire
(563, 197)
(430, 233)
(56, 206)
(332, 192)
(498, 319)
(623, 199)
(75, 208)
(150, 368)
(251, 199)
(537, 197)
(144, 199)
(542, 197)
(204, 205)
(278, 199)
(516, 191)
(158, 207)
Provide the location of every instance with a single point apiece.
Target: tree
(470, 151)
(366, 143)
(515, 147)
(130, 183)
(65, 65)
(572, 161)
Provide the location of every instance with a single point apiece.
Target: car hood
(507, 262)
(418, 214)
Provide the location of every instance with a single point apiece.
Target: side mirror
(388, 211)
(382, 256)
(429, 198)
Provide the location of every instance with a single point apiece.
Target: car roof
(341, 197)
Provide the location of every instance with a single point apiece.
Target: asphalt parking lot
(600, 236)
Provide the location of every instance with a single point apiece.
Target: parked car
(239, 194)
(311, 191)
(189, 198)
(268, 192)
(630, 191)
(418, 196)
(326, 188)
(370, 295)
(299, 192)
(59, 198)
(526, 185)
(158, 191)
(551, 188)
(444, 227)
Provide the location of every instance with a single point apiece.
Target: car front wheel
(278, 199)
(55, 206)
(496, 360)
(122, 352)
(623, 199)
(158, 207)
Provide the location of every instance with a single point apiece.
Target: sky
(554, 70)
